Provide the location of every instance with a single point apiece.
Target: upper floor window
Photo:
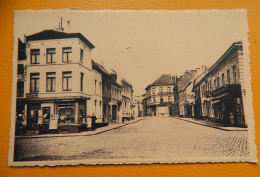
(154, 99)
(168, 89)
(223, 79)
(218, 82)
(50, 55)
(100, 88)
(35, 56)
(228, 77)
(161, 99)
(81, 81)
(20, 89)
(234, 74)
(215, 83)
(66, 81)
(66, 52)
(169, 99)
(153, 90)
(161, 89)
(34, 82)
(20, 69)
(50, 82)
(81, 55)
(95, 86)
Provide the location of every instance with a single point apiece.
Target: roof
(225, 57)
(51, 34)
(99, 68)
(165, 79)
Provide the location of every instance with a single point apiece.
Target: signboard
(31, 95)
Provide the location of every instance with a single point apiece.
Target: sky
(142, 45)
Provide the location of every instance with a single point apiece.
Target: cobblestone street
(152, 137)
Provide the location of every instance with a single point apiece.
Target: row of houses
(215, 94)
(60, 86)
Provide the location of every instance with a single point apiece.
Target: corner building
(53, 86)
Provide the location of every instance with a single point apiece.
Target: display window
(66, 114)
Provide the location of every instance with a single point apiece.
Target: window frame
(68, 76)
(52, 77)
(36, 55)
(48, 53)
(67, 53)
(34, 82)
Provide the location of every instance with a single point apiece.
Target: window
(100, 90)
(20, 89)
(168, 89)
(95, 86)
(50, 55)
(161, 89)
(81, 55)
(218, 82)
(81, 81)
(100, 103)
(223, 79)
(161, 99)
(234, 74)
(66, 51)
(66, 81)
(34, 82)
(154, 99)
(169, 99)
(35, 56)
(228, 77)
(20, 69)
(153, 90)
(215, 85)
(50, 82)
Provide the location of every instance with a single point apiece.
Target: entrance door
(114, 112)
(32, 119)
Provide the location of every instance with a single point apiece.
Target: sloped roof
(51, 34)
(165, 79)
(99, 67)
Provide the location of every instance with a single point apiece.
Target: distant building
(127, 100)
(181, 82)
(138, 106)
(160, 96)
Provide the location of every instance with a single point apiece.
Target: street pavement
(151, 137)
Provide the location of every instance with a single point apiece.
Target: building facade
(56, 70)
(160, 96)
(221, 90)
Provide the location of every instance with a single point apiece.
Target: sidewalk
(212, 124)
(85, 133)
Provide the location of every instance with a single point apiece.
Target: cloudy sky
(142, 45)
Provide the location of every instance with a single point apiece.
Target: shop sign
(31, 95)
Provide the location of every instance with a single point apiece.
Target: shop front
(228, 106)
(55, 115)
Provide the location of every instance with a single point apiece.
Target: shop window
(35, 56)
(50, 55)
(66, 81)
(81, 55)
(46, 115)
(34, 82)
(50, 82)
(66, 113)
(66, 52)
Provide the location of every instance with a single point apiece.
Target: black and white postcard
(131, 87)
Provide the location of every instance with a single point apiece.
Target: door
(32, 119)
(114, 112)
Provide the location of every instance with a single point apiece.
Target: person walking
(93, 122)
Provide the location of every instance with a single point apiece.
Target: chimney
(61, 23)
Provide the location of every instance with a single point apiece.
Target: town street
(151, 137)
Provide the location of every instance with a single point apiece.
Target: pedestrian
(93, 122)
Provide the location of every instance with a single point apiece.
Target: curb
(220, 128)
(68, 135)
